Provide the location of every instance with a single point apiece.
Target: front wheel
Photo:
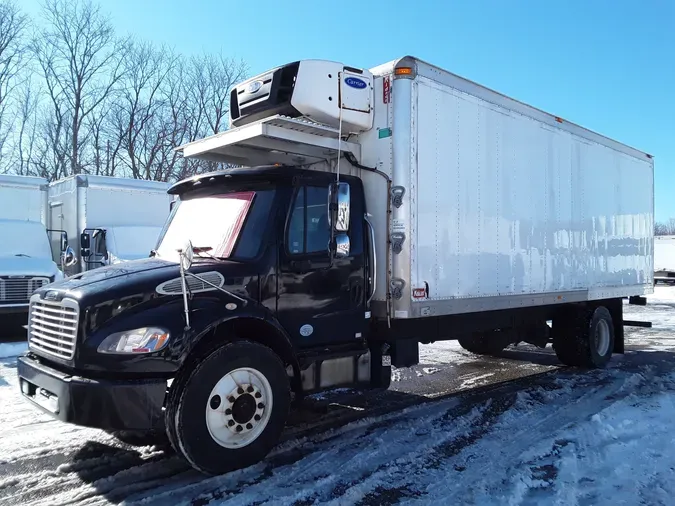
(228, 412)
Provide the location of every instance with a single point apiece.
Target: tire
(199, 411)
(586, 340)
(489, 343)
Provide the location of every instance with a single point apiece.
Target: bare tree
(91, 102)
(166, 101)
(13, 57)
(81, 61)
(665, 227)
(204, 106)
(139, 118)
(211, 80)
(97, 128)
(26, 136)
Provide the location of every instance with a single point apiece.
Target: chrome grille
(52, 326)
(19, 290)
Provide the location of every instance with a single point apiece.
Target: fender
(242, 323)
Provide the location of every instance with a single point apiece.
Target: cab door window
(308, 230)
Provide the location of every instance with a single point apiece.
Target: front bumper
(103, 404)
(14, 308)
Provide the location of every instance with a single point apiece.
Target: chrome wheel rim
(239, 408)
(602, 338)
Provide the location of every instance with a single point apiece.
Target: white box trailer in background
(664, 259)
(108, 219)
(25, 258)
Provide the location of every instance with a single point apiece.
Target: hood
(28, 266)
(137, 277)
(143, 268)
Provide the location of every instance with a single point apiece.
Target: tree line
(665, 227)
(77, 97)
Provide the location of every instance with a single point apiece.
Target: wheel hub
(243, 407)
(239, 407)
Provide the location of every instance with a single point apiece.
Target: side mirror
(342, 245)
(339, 203)
(85, 245)
(186, 255)
(101, 247)
(68, 258)
(64, 241)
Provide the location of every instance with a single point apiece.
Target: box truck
(664, 259)
(26, 261)
(111, 219)
(372, 210)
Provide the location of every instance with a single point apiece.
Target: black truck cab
(275, 304)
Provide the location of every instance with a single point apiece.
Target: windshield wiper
(22, 255)
(198, 250)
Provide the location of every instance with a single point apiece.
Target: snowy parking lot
(516, 429)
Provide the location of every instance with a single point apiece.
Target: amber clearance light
(403, 71)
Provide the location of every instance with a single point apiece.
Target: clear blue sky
(608, 65)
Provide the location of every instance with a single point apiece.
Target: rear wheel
(229, 411)
(487, 343)
(585, 338)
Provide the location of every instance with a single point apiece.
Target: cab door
(321, 297)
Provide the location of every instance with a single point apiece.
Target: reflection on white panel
(507, 205)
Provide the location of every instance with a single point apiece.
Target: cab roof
(260, 173)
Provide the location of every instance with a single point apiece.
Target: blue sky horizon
(605, 65)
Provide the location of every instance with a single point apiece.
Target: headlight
(143, 340)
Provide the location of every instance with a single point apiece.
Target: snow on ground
(554, 436)
(8, 350)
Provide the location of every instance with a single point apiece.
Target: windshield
(212, 222)
(24, 238)
(132, 242)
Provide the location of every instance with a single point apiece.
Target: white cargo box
(23, 198)
(664, 254)
(495, 203)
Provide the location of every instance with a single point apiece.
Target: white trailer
(664, 259)
(108, 219)
(487, 203)
(26, 261)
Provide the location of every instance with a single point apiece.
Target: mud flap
(615, 307)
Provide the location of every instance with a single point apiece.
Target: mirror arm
(186, 307)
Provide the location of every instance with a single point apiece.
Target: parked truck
(111, 219)
(374, 210)
(26, 262)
